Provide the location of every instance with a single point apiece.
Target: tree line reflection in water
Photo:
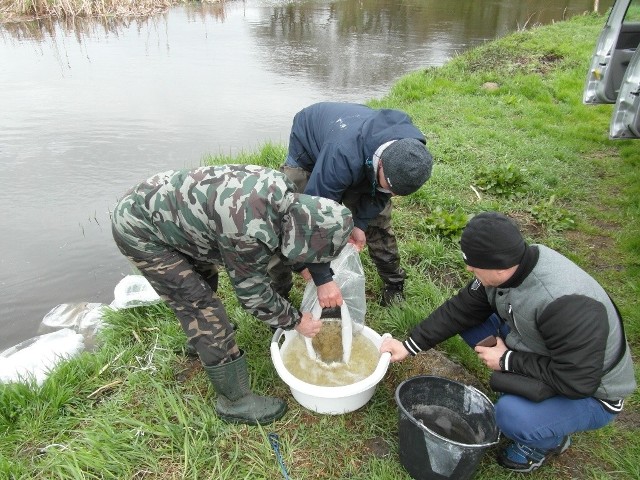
(306, 38)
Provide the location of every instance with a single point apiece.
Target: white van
(614, 74)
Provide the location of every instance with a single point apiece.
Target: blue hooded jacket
(336, 143)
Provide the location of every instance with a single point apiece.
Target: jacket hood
(314, 229)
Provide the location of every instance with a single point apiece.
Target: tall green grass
(138, 408)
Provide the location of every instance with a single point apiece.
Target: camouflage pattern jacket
(237, 216)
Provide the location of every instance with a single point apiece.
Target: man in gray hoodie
(558, 352)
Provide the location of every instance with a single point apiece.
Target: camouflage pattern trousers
(189, 288)
(381, 241)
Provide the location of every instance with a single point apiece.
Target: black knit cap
(407, 165)
(492, 241)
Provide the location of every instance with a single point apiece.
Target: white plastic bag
(134, 291)
(67, 330)
(84, 318)
(349, 275)
(34, 358)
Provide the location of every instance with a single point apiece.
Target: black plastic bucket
(444, 426)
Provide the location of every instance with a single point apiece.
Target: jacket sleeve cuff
(505, 360)
(361, 224)
(320, 272)
(411, 346)
(296, 321)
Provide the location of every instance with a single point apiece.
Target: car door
(615, 46)
(625, 121)
(613, 73)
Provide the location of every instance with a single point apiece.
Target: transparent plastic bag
(349, 275)
(84, 318)
(134, 291)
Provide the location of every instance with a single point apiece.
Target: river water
(89, 108)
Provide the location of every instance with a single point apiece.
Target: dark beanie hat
(492, 241)
(407, 165)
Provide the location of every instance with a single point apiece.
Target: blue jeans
(543, 425)
(539, 424)
(492, 326)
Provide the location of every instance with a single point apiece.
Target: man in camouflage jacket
(178, 227)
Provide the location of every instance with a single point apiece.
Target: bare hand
(308, 326)
(491, 355)
(329, 295)
(395, 348)
(306, 274)
(358, 238)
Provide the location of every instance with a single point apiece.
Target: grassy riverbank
(509, 132)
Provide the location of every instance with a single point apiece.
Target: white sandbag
(134, 291)
(84, 318)
(34, 358)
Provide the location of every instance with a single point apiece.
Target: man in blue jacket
(360, 157)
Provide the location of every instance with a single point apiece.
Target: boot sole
(253, 421)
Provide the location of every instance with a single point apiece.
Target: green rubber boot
(236, 402)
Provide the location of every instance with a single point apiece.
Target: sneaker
(520, 458)
(392, 294)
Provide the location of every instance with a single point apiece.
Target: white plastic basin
(329, 400)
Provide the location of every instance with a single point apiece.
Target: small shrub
(445, 224)
(504, 180)
(552, 217)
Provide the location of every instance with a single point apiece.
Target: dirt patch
(542, 64)
(186, 369)
(377, 447)
(548, 62)
(571, 463)
(434, 362)
(447, 278)
(597, 249)
(628, 419)
(528, 225)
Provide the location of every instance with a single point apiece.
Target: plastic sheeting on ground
(34, 358)
(67, 330)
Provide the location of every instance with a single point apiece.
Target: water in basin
(364, 358)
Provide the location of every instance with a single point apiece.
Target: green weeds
(552, 217)
(503, 180)
(444, 223)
